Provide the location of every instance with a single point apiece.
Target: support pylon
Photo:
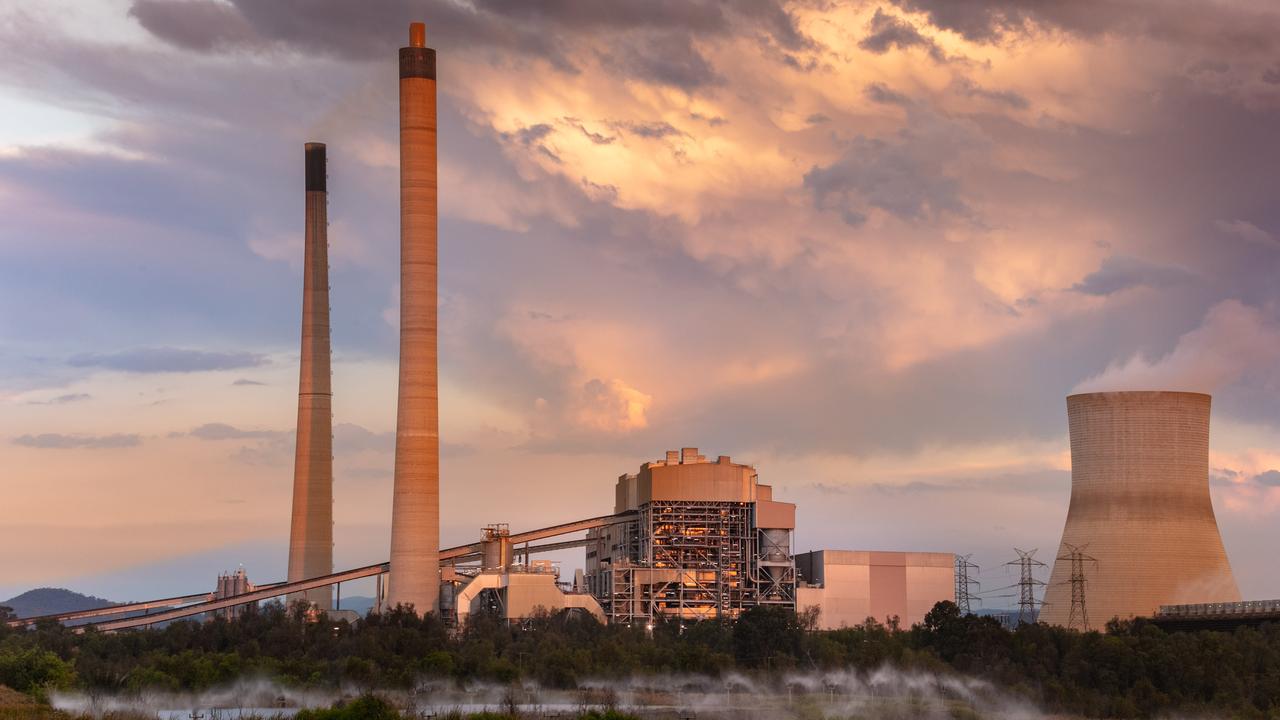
(1027, 584)
(964, 584)
(1079, 607)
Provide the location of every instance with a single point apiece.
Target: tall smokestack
(415, 513)
(311, 532)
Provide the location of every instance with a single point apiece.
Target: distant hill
(47, 601)
(361, 605)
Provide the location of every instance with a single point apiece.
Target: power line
(1027, 584)
(964, 585)
(1079, 608)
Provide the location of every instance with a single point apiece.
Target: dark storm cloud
(166, 360)
(653, 130)
(200, 25)
(890, 31)
(1120, 272)
(59, 441)
(1184, 21)
(881, 93)
(667, 58)
(905, 175)
(542, 30)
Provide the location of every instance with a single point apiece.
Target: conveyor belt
(205, 602)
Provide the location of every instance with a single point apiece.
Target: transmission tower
(1027, 584)
(1079, 608)
(964, 585)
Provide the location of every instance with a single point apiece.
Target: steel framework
(692, 560)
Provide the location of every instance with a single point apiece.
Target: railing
(1248, 607)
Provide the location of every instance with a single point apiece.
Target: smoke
(1233, 339)
(878, 695)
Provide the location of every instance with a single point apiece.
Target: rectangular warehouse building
(849, 586)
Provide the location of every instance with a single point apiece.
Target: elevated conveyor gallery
(184, 606)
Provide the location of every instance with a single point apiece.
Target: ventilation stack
(415, 514)
(1139, 505)
(311, 531)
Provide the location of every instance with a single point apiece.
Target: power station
(1140, 507)
(691, 538)
(707, 541)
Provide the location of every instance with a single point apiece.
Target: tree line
(1132, 669)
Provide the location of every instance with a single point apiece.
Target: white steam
(1233, 339)
(878, 695)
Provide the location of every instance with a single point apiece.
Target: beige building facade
(1140, 507)
(849, 586)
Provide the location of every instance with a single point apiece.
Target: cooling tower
(1140, 506)
(415, 515)
(311, 531)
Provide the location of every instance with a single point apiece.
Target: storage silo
(1140, 506)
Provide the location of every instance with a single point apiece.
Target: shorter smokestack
(311, 530)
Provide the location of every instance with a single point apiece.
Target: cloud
(989, 21)
(223, 431)
(889, 31)
(968, 88)
(656, 129)
(666, 58)
(1233, 339)
(653, 40)
(907, 175)
(611, 406)
(1247, 231)
(62, 399)
(167, 360)
(1270, 478)
(59, 441)
(350, 438)
(201, 25)
(1120, 272)
(246, 381)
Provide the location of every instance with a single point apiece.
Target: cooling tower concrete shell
(415, 515)
(311, 529)
(1139, 505)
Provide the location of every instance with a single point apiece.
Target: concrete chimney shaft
(415, 514)
(311, 531)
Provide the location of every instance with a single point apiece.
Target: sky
(868, 247)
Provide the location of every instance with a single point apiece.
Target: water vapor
(1233, 339)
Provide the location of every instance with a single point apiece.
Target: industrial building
(1140, 510)
(708, 541)
(231, 585)
(691, 538)
(848, 586)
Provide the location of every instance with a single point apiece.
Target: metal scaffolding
(692, 560)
